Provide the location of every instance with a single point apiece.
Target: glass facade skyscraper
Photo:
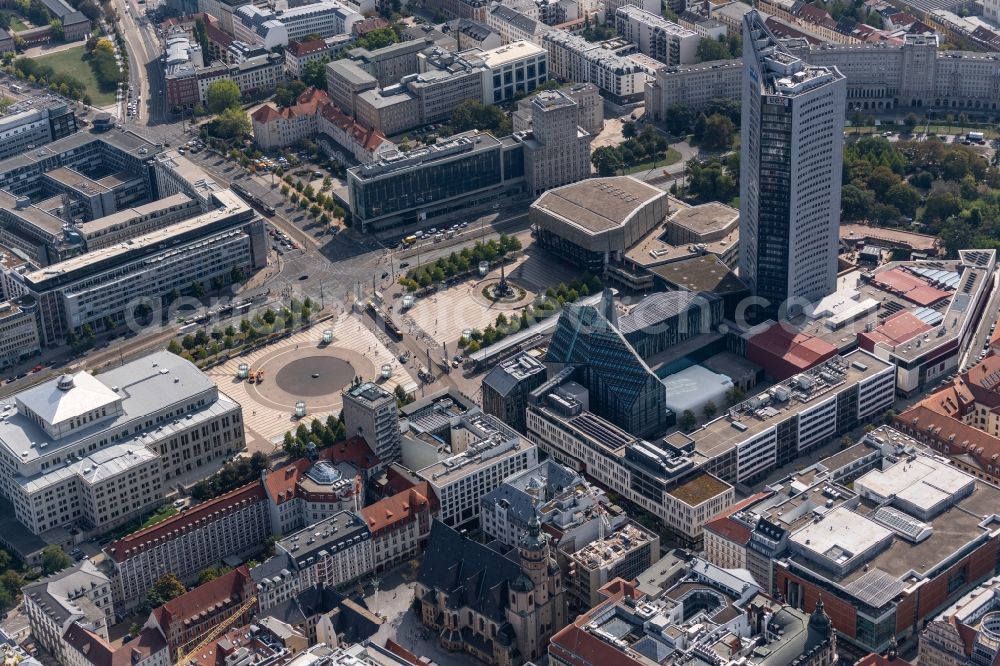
(790, 172)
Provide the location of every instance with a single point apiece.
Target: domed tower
(819, 620)
(821, 624)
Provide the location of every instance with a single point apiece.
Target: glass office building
(414, 186)
(621, 387)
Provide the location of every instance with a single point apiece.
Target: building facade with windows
(657, 37)
(96, 451)
(236, 523)
(484, 451)
(790, 174)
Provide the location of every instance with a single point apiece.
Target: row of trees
(638, 148)
(318, 205)
(460, 263)
(319, 434)
(201, 345)
(540, 308)
(101, 56)
(231, 476)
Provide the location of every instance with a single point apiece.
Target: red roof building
(783, 352)
(575, 646)
(236, 523)
(146, 648)
(909, 286)
(192, 615)
(896, 330)
(400, 525)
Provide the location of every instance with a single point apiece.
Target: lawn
(672, 157)
(164, 512)
(71, 60)
(16, 23)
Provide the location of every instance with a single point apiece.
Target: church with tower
(497, 604)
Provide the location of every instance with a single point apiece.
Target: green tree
(679, 119)
(687, 421)
(718, 133)
(221, 95)
(903, 198)
(956, 235)
(856, 203)
(314, 74)
(712, 49)
(209, 574)
(628, 130)
(606, 160)
(166, 588)
(910, 121)
(709, 409)
(232, 123)
(54, 559)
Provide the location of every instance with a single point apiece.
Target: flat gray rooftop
(598, 204)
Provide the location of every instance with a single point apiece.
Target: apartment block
(34, 122)
(371, 412)
(400, 525)
(79, 595)
(333, 552)
(18, 331)
(657, 37)
(625, 553)
(572, 58)
(236, 523)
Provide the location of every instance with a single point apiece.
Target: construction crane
(182, 655)
(599, 508)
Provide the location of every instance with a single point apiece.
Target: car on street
(385, 274)
(404, 264)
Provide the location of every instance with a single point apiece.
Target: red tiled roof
(229, 590)
(362, 28)
(283, 483)
(897, 329)
(100, 653)
(397, 508)
(960, 438)
(909, 286)
(575, 646)
(206, 512)
(299, 49)
(729, 529)
(369, 138)
(401, 652)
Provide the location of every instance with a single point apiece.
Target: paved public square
(444, 314)
(301, 367)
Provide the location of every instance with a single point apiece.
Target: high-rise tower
(791, 154)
